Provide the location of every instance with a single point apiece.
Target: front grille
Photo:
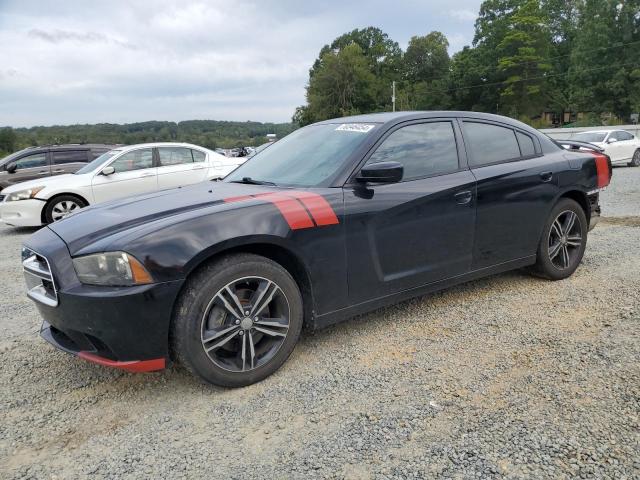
(40, 283)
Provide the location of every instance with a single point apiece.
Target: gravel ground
(506, 377)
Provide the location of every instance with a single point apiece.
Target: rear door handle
(464, 197)
(546, 176)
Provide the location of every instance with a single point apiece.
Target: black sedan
(336, 219)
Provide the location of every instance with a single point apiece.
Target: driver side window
(136, 160)
(32, 161)
(424, 149)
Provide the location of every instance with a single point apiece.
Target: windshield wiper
(251, 181)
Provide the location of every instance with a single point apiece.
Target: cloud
(57, 36)
(73, 61)
(463, 15)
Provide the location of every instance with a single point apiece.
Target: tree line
(207, 133)
(527, 57)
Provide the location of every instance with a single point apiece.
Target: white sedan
(116, 174)
(622, 147)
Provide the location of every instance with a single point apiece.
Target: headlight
(111, 268)
(23, 194)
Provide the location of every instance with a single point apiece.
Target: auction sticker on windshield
(355, 127)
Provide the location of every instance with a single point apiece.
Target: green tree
(605, 69)
(524, 59)
(7, 140)
(426, 65)
(342, 85)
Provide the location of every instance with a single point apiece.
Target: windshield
(591, 136)
(95, 163)
(307, 157)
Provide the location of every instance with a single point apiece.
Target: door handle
(146, 175)
(546, 176)
(464, 197)
(58, 171)
(43, 173)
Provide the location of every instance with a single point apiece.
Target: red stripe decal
(318, 206)
(130, 366)
(237, 199)
(290, 208)
(602, 168)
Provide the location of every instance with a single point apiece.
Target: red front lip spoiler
(129, 366)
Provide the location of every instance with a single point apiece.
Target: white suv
(622, 147)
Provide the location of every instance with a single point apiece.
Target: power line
(599, 49)
(542, 77)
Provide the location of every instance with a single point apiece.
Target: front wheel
(237, 320)
(635, 160)
(62, 206)
(563, 241)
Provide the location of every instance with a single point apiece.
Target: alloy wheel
(63, 208)
(565, 239)
(245, 324)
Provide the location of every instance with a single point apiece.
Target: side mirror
(612, 140)
(108, 171)
(381, 172)
(12, 167)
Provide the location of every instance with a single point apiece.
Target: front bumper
(122, 327)
(22, 213)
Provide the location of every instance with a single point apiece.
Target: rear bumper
(594, 206)
(22, 213)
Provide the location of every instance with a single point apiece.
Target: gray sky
(118, 61)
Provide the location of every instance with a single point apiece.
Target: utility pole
(393, 95)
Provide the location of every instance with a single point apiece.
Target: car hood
(94, 223)
(46, 182)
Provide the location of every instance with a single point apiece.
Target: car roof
(397, 117)
(160, 144)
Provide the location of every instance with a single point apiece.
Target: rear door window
(174, 156)
(424, 149)
(72, 156)
(490, 143)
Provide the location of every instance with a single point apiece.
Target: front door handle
(546, 176)
(464, 197)
(147, 175)
(58, 171)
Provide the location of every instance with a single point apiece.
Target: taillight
(603, 169)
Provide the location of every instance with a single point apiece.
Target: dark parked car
(38, 162)
(336, 219)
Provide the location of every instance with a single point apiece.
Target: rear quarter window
(527, 147)
(490, 143)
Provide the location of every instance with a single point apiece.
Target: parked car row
(116, 173)
(334, 220)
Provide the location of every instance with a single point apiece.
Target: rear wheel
(635, 160)
(563, 241)
(61, 206)
(237, 321)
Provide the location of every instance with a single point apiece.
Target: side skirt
(336, 316)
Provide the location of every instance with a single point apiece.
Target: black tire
(550, 262)
(55, 207)
(200, 312)
(635, 160)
